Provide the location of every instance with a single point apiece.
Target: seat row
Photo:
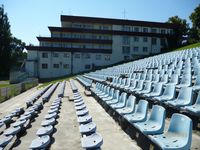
(84, 81)
(90, 139)
(18, 127)
(150, 125)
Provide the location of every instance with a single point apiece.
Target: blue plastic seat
(132, 85)
(168, 94)
(121, 103)
(178, 136)
(106, 93)
(173, 80)
(87, 128)
(115, 98)
(47, 130)
(146, 89)
(139, 86)
(84, 119)
(93, 141)
(156, 78)
(164, 79)
(155, 123)
(184, 98)
(5, 140)
(157, 90)
(110, 95)
(140, 113)
(195, 108)
(129, 107)
(196, 86)
(185, 81)
(40, 143)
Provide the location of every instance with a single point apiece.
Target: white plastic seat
(87, 128)
(4, 140)
(84, 119)
(48, 122)
(47, 130)
(93, 141)
(40, 143)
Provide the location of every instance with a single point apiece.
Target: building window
(98, 57)
(44, 66)
(126, 28)
(55, 54)
(77, 56)
(44, 55)
(66, 55)
(136, 39)
(87, 56)
(163, 31)
(135, 48)
(125, 40)
(87, 66)
(125, 49)
(145, 39)
(107, 57)
(136, 29)
(145, 30)
(153, 41)
(66, 66)
(154, 30)
(145, 49)
(162, 42)
(126, 57)
(56, 66)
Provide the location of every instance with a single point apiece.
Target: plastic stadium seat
(47, 130)
(110, 95)
(155, 123)
(194, 109)
(168, 93)
(87, 128)
(164, 79)
(12, 131)
(106, 93)
(40, 143)
(196, 86)
(178, 136)
(115, 98)
(146, 89)
(52, 115)
(132, 85)
(129, 107)
(128, 83)
(173, 80)
(157, 90)
(138, 87)
(82, 112)
(184, 98)
(4, 140)
(121, 103)
(84, 119)
(48, 122)
(140, 113)
(156, 78)
(93, 141)
(185, 81)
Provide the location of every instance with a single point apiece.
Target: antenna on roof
(124, 14)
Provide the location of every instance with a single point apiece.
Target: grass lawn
(189, 46)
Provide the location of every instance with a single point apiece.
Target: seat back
(158, 114)
(116, 94)
(198, 99)
(107, 90)
(181, 125)
(174, 79)
(147, 86)
(185, 94)
(122, 97)
(169, 91)
(111, 92)
(158, 88)
(197, 81)
(156, 78)
(164, 78)
(186, 79)
(130, 103)
(142, 107)
(128, 82)
(140, 84)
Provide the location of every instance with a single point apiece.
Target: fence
(15, 89)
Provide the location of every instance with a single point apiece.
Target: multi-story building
(83, 43)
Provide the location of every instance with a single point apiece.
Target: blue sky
(30, 18)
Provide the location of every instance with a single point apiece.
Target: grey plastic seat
(115, 98)
(6, 119)
(80, 107)
(140, 113)
(79, 103)
(48, 122)
(40, 143)
(82, 112)
(156, 78)
(168, 94)
(128, 83)
(106, 90)
(87, 128)
(184, 98)
(47, 130)
(132, 85)
(195, 108)
(178, 136)
(52, 111)
(155, 123)
(52, 115)
(106, 93)
(164, 79)
(157, 90)
(19, 122)
(12, 131)
(129, 107)
(4, 140)
(173, 80)
(146, 89)
(84, 119)
(121, 103)
(196, 86)
(93, 141)
(185, 81)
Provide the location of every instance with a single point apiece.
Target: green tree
(5, 40)
(194, 34)
(182, 28)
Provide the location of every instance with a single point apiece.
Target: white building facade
(85, 43)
